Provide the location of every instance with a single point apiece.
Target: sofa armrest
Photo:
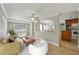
(10, 48)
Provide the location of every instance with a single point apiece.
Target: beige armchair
(10, 48)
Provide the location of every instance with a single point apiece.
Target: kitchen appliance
(74, 30)
(74, 34)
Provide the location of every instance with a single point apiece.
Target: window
(41, 28)
(46, 27)
(17, 27)
(20, 27)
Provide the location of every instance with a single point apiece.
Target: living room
(29, 23)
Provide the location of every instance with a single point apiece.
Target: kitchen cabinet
(69, 22)
(74, 21)
(66, 35)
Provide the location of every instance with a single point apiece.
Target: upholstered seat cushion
(10, 48)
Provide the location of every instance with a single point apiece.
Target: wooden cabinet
(74, 21)
(69, 22)
(66, 35)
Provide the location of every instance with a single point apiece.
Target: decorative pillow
(1, 38)
(19, 40)
(6, 38)
(23, 45)
(21, 34)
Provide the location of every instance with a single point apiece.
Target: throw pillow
(19, 40)
(1, 38)
(6, 38)
(23, 45)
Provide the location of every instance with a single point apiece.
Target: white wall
(52, 37)
(12, 23)
(67, 15)
(1, 27)
(2, 23)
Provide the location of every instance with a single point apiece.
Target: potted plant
(12, 35)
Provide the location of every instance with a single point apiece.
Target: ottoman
(39, 48)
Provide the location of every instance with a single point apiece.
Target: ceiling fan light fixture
(32, 18)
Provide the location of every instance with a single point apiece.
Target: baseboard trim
(54, 43)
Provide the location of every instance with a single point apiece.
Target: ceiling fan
(34, 17)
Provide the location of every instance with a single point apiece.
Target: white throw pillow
(23, 45)
(19, 40)
(6, 38)
(22, 34)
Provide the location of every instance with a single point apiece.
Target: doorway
(69, 30)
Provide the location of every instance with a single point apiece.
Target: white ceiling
(24, 10)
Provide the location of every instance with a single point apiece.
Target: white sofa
(39, 48)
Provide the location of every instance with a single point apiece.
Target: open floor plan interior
(39, 28)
